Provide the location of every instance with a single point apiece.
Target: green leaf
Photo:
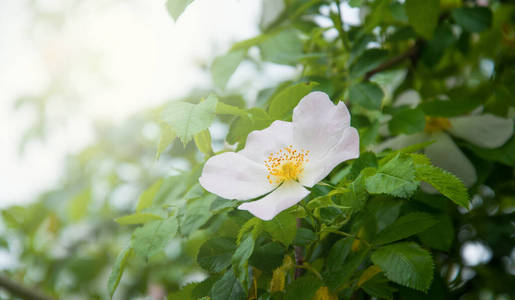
(408, 121)
(282, 228)
(439, 236)
(355, 3)
(215, 254)
(367, 94)
(138, 218)
(444, 182)
(147, 197)
(176, 7)
(303, 288)
(341, 263)
(167, 137)
(423, 16)
(117, 271)
(228, 288)
(224, 66)
(405, 226)
(196, 213)
(368, 61)
(406, 264)
(396, 178)
(283, 103)
(473, 19)
(378, 287)
(187, 119)
(242, 126)
(365, 160)
(283, 47)
(226, 109)
(78, 206)
(184, 293)
(203, 142)
(240, 258)
(152, 237)
(504, 154)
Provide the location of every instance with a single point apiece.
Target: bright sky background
(112, 57)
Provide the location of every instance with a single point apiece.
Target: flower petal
(285, 196)
(346, 148)
(318, 124)
(260, 143)
(234, 176)
(487, 131)
(444, 153)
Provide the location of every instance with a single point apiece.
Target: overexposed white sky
(110, 59)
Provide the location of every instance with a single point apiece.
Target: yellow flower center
(435, 124)
(285, 164)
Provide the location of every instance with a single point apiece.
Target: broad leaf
(187, 119)
(147, 197)
(366, 94)
(396, 178)
(283, 47)
(282, 228)
(153, 237)
(368, 61)
(445, 182)
(407, 121)
(473, 19)
(203, 142)
(405, 226)
(215, 254)
(423, 16)
(228, 288)
(406, 264)
(224, 66)
(303, 288)
(282, 104)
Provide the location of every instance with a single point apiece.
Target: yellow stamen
(285, 164)
(435, 124)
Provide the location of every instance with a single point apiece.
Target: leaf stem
(299, 258)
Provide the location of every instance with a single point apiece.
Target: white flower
(283, 159)
(486, 131)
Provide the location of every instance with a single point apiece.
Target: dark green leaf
(439, 236)
(369, 60)
(407, 121)
(215, 254)
(406, 264)
(282, 228)
(304, 288)
(228, 288)
(405, 226)
(473, 19)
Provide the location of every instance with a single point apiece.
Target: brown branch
(411, 53)
(22, 291)
(299, 258)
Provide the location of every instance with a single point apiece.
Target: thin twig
(22, 291)
(410, 53)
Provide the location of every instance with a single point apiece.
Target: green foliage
(224, 66)
(366, 94)
(215, 254)
(396, 177)
(404, 227)
(446, 183)
(357, 234)
(177, 7)
(473, 19)
(152, 237)
(283, 102)
(423, 16)
(188, 119)
(407, 121)
(406, 264)
(118, 268)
